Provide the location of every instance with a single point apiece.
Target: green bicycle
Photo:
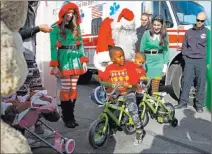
(115, 117)
(155, 106)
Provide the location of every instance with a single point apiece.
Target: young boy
(139, 60)
(124, 72)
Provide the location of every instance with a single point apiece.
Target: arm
(137, 45)
(53, 41)
(83, 58)
(134, 73)
(185, 44)
(104, 76)
(28, 32)
(143, 41)
(166, 54)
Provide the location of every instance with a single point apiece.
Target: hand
(85, 68)
(74, 21)
(125, 85)
(45, 28)
(97, 78)
(164, 73)
(56, 72)
(142, 77)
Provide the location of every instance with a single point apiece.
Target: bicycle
(155, 106)
(115, 117)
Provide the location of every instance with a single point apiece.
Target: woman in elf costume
(68, 59)
(155, 45)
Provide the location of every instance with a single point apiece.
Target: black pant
(194, 67)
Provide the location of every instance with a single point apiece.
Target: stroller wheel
(70, 145)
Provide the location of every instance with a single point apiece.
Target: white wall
(45, 16)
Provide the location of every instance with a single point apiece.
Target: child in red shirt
(139, 60)
(125, 73)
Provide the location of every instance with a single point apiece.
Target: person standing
(140, 30)
(68, 60)
(28, 33)
(194, 55)
(155, 45)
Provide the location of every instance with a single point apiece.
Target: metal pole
(42, 140)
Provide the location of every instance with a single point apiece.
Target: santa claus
(119, 31)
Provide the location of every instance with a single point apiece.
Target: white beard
(124, 36)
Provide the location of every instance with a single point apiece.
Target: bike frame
(149, 102)
(107, 113)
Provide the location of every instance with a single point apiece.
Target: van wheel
(85, 78)
(176, 79)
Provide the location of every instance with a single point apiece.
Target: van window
(161, 8)
(95, 24)
(186, 12)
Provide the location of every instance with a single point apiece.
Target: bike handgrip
(108, 84)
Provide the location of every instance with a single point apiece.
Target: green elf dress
(209, 73)
(69, 61)
(155, 62)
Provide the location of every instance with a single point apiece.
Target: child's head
(117, 55)
(140, 58)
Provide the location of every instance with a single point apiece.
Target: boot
(64, 111)
(74, 120)
(66, 114)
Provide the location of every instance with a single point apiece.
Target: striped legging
(69, 87)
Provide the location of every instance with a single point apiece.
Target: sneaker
(139, 137)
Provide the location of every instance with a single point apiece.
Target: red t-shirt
(129, 72)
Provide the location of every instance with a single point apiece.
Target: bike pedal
(101, 106)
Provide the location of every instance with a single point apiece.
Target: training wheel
(70, 145)
(174, 122)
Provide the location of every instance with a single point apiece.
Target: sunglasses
(198, 20)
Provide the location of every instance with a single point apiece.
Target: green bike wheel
(96, 137)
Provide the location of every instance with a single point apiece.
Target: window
(95, 24)
(186, 12)
(164, 11)
(161, 8)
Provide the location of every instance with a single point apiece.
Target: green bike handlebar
(112, 85)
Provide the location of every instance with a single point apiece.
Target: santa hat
(126, 14)
(65, 8)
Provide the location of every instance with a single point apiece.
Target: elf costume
(67, 53)
(156, 62)
(209, 74)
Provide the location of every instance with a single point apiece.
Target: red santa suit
(119, 31)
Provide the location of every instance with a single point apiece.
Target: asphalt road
(192, 135)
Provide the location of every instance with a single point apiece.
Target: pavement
(192, 135)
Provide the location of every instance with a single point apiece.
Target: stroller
(31, 112)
